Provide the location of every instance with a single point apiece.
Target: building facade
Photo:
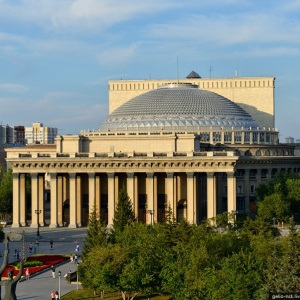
(176, 145)
(38, 134)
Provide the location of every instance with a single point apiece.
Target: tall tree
(124, 214)
(6, 191)
(96, 234)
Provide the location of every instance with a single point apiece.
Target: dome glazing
(177, 106)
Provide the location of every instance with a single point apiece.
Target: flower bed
(47, 260)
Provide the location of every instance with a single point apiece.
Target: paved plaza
(64, 242)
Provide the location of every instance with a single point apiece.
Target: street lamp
(38, 211)
(59, 274)
(77, 273)
(151, 212)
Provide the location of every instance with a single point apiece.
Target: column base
(15, 225)
(72, 226)
(53, 226)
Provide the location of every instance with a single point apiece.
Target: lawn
(89, 294)
(46, 260)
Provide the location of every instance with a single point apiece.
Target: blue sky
(56, 56)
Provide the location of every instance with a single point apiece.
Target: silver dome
(177, 106)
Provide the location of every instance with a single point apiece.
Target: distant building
(38, 134)
(12, 135)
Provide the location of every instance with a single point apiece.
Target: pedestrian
(34, 248)
(18, 255)
(37, 242)
(27, 274)
(53, 271)
(15, 253)
(77, 248)
(52, 295)
(71, 259)
(51, 245)
(30, 247)
(75, 259)
(56, 295)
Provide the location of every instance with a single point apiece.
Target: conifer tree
(96, 234)
(124, 214)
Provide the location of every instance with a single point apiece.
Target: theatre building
(199, 146)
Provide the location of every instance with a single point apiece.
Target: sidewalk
(41, 285)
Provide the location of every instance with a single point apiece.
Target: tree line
(218, 259)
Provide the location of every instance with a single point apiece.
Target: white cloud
(229, 29)
(117, 56)
(13, 87)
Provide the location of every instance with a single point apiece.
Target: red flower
(47, 260)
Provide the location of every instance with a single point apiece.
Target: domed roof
(177, 106)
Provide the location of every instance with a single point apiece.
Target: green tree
(96, 234)
(124, 214)
(6, 191)
(237, 277)
(283, 266)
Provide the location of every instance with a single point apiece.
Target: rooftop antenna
(236, 72)
(177, 71)
(210, 70)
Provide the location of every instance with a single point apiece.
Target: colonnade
(73, 196)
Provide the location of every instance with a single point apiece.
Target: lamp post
(77, 273)
(151, 212)
(38, 211)
(59, 274)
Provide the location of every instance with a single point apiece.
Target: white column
(92, 197)
(53, 200)
(98, 195)
(79, 200)
(150, 199)
(211, 195)
(34, 199)
(231, 192)
(16, 200)
(130, 188)
(59, 199)
(72, 201)
(155, 192)
(22, 195)
(136, 197)
(191, 207)
(41, 199)
(170, 190)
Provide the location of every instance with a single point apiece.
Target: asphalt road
(64, 242)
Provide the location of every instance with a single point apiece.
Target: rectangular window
(240, 189)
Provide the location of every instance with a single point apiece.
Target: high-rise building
(38, 134)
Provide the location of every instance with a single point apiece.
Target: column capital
(210, 174)
(189, 174)
(150, 175)
(91, 175)
(110, 175)
(170, 174)
(130, 175)
(53, 175)
(34, 175)
(230, 174)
